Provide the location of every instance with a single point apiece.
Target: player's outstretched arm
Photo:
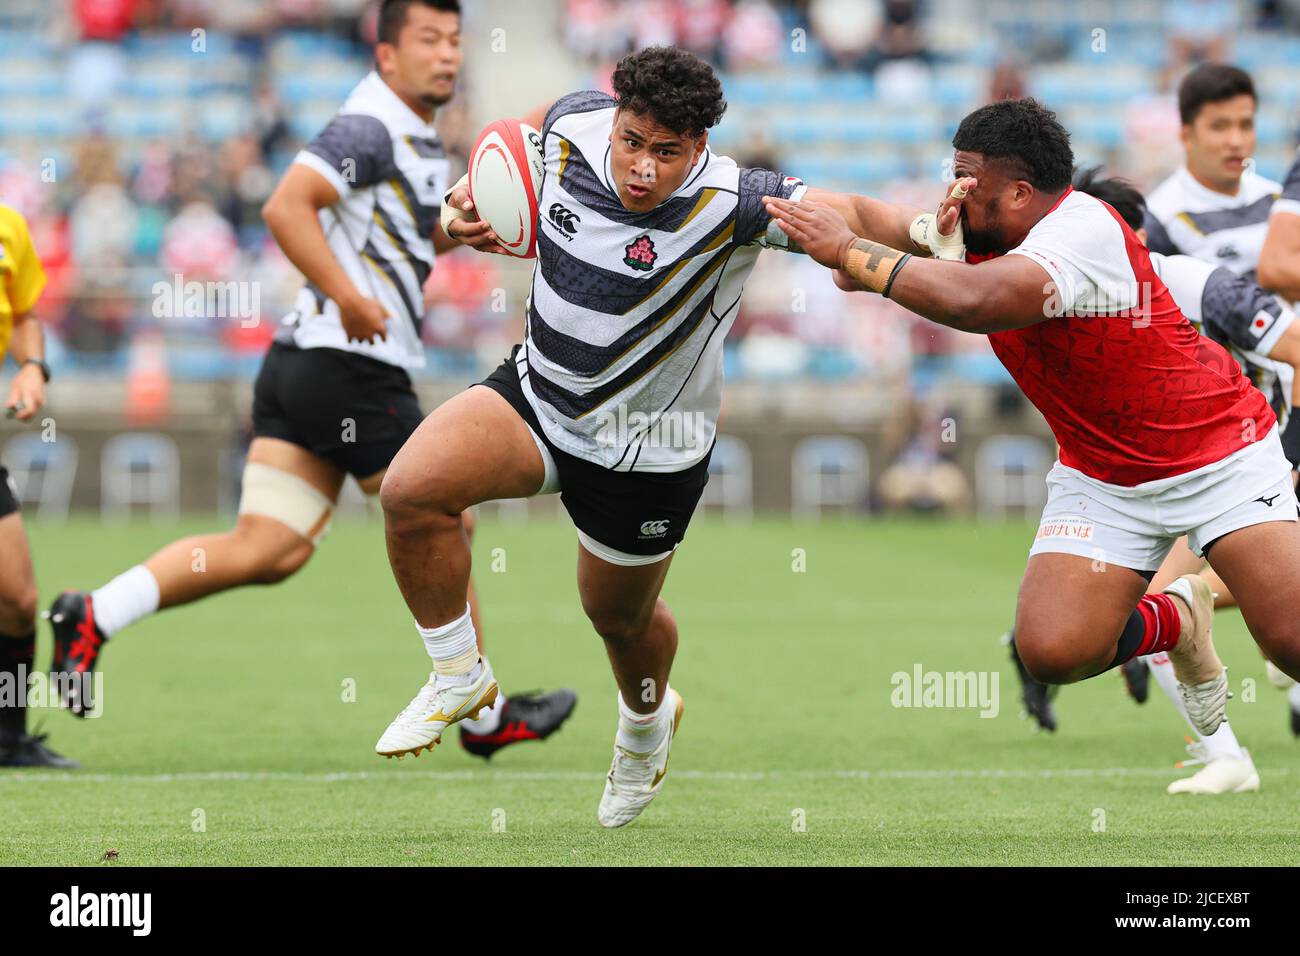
(1007, 293)
(904, 227)
(872, 218)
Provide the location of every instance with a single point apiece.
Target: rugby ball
(505, 181)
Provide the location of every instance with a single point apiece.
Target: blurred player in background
(21, 280)
(1215, 207)
(358, 214)
(1259, 330)
(1160, 434)
(1279, 260)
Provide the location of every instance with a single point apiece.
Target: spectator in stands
(1199, 30)
(245, 184)
(923, 477)
(1007, 81)
(754, 37)
(97, 66)
(846, 29)
(701, 25)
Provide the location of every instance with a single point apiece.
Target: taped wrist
(449, 213)
(874, 265)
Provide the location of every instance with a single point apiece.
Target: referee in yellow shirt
(21, 280)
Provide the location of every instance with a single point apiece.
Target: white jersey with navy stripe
(1234, 311)
(390, 170)
(622, 358)
(1186, 218)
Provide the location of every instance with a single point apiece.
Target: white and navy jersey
(1290, 201)
(622, 357)
(1236, 312)
(1185, 218)
(390, 171)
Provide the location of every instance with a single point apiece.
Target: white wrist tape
(450, 213)
(925, 233)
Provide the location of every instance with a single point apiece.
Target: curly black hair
(676, 89)
(1121, 194)
(1025, 135)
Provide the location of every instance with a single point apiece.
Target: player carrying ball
(612, 400)
(1160, 434)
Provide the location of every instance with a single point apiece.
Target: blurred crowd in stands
(120, 208)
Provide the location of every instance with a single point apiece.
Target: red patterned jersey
(1132, 391)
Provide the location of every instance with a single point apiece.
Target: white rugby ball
(505, 181)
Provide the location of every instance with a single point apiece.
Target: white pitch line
(472, 776)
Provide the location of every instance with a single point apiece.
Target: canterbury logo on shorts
(654, 529)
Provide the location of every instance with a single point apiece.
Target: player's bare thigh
(1070, 614)
(619, 600)
(17, 579)
(472, 448)
(1260, 564)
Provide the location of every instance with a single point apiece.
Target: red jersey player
(1160, 434)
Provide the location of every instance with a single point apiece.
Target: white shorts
(1135, 527)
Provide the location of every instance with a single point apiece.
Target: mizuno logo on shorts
(1269, 500)
(654, 529)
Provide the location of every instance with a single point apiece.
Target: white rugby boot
(1226, 774)
(635, 778)
(1202, 678)
(436, 707)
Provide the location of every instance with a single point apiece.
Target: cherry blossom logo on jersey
(641, 253)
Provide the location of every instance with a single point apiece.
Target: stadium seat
(1010, 473)
(828, 470)
(731, 478)
(43, 473)
(139, 468)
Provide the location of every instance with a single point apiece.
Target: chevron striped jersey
(390, 171)
(622, 357)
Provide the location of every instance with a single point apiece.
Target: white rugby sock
(454, 650)
(642, 733)
(1223, 742)
(127, 598)
(489, 718)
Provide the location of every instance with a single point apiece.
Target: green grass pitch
(226, 737)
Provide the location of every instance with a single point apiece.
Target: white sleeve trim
(775, 238)
(1291, 206)
(1274, 335)
(1066, 288)
(312, 161)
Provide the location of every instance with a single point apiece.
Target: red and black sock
(1152, 627)
(16, 657)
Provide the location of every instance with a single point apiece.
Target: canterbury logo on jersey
(564, 220)
(654, 529)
